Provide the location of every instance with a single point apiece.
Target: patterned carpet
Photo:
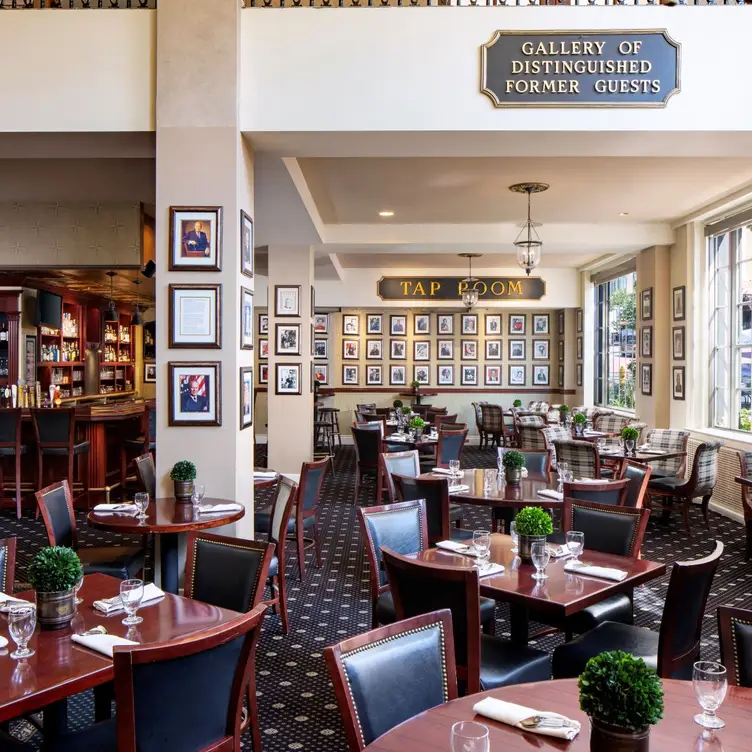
(296, 703)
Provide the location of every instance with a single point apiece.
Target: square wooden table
(642, 456)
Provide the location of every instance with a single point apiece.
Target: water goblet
(482, 544)
(141, 500)
(22, 621)
(710, 684)
(540, 556)
(454, 468)
(199, 491)
(575, 544)
(513, 534)
(500, 461)
(488, 480)
(78, 587)
(131, 595)
(468, 736)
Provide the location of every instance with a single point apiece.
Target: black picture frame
(198, 369)
(678, 383)
(678, 343)
(183, 343)
(246, 410)
(646, 304)
(246, 244)
(279, 371)
(679, 303)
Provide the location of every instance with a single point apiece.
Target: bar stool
(332, 415)
(139, 442)
(11, 446)
(323, 439)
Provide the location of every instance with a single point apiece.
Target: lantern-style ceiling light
(470, 291)
(528, 243)
(110, 314)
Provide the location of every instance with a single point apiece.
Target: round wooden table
(168, 520)
(264, 482)
(677, 732)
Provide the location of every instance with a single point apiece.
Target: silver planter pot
(607, 738)
(525, 546)
(56, 610)
(513, 475)
(183, 491)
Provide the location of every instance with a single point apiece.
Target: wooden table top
(265, 482)
(165, 516)
(644, 457)
(677, 732)
(424, 440)
(563, 593)
(60, 668)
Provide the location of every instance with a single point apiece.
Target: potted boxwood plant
(630, 436)
(54, 573)
(417, 424)
(563, 414)
(623, 698)
(533, 525)
(415, 386)
(578, 422)
(183, 474)
(513, 463)
(397, 404)
(517, 403)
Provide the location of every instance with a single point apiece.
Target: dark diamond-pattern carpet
(296, 703)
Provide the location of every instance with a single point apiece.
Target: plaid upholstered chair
(581, 457)
(592, 413)
(554, 433)
(479, 423)
(538, 407)
(492, 420)
(745, 462)
(531, 437)
(672, 441)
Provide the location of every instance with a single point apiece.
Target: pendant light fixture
(470, 293)
(528, 243)
(137, 319)
(110, 315)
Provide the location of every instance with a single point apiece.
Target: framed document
(194, 316)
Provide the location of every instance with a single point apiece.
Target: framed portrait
(263, 348)
(246, 319)
(150, 373)
(517, 349)
(561, 351)
(421, 350)
(321, 373)
(350, 375)
(398, 325)
(516, 375)
(579, 348)
(469, 349)
(646, 304)
(469, 376)
(246, 397)
(677, 382)
(350, 349)
(445, 349)
(350, 323)
(493, 324)
(320, 349)
(286, 300)
(646, 378)
(646, 342)
(374, 349)
(375, 323)
(579, 374)
(246, 247)
(195, 238)
(677, 338)
(263, 373)
(288, 378)
(194, 394)
(321, 323)
(398, 349)
(397, 375)
(541, 323)
(493, 349)
(517, 323)
(195, 316)
(445, 374)
(421, 374)
(313, 344)
(541, 349)
(678, 305)
(561, 376)
(445, 322)
(541, 375)
(313, 301)
(421, 323)
(493, 376)
(263, 323)
(373, 375)
(469, 323)
(560, 320)
(578, 321)
(287, 337)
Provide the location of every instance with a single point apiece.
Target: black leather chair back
(368, 445)
(537, 463)
(607, 531)
(147, 474)
(152, 424)
(635, 475)
(53, 425)
(401, 463)
(450, 446)
(56, 504)
(314, 478)
(410, 489)
(735, 635)
(7, 566)
(9, 425)
(607, 496)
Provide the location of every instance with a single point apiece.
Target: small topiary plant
(55, 569)
(513, 460)
(406, 410)
(630, 434)
(184, 471)
(397, 404)
(517, 403)
(618, 689)
(580, 419)
(533, 521)
(417, 423)
(563, 409)
(415, 384)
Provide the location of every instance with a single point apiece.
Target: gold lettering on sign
(405, 287)
(461, 287)
(515, 287)
(419, 289)
(435, 287)
(497, 288)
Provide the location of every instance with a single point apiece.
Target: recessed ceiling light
(623, 214)
(386, 213)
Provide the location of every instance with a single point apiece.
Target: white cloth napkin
(551, 494)
(589, 480)
(457, 547)
(6, 601)
(458, 489)
(108, 509)
(102, 643)
(441, 471)
(511, 714)
(491, 569)
(606, 573)
(264, 474)
(114, 605)
(215, 508)
(3, 642)
(559, 552)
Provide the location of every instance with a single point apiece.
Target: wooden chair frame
(16, 445)
(42, 507)
(643, 485)
(362, 466)
(446, 434)
(386, 488)
(746, 507)
(443, 485)
(301, 515)
(727, 616)
(8, 574)
(147, 458)
(572, 487)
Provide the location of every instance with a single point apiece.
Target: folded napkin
(654, 451)
(458, 489)
(551, 494)
(102, 643)
(491, 569)
(457, 547)
(588, 480)
(441, 471)
(3, 642)
(115, 509)
(511, 714)
(606, 573)
(264, 474)
(6, 601)
(558, 552)
(109, 606)
(214, 508)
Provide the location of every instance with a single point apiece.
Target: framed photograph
(374, 323)
(646, 378)
(469, 349)
(313, 301)
(321, 373)
(541, 349)
(421, 374)
(493, 349)
(677, 380)
(398, 349)
(646, 342)
(374, 349)
(397, 375)
(150, 373)
(517, 349)
(541, 375)
(246, 319)
(516, 375)
(493, 376)
(469, 323)
(445, 374)
(561, 376)
(517, 323)
(579, 348)
(679, 308)
(560, 319)
(286, 300)
(289, 378)
(195, 316)
(350, 349)
(541, 323)
(312, 340)
(373, 375)
(421, 323)
(263, 373)
(579, 374)
(445, 322)
(398, 325)
(561, 351)
(246, 397)
(320, 349)
(493, 324)
(246, 249)
(321, 323)
(445, 349)
(263, 323)
(194, 390)
(263, 349)
(195, 238)
(646, 304)
(469, 376)
(578, 321)
(421, 349)
(287, 338)
(677, 338)
(350, 375)
(350, 323)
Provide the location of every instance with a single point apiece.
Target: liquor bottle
(4, 332)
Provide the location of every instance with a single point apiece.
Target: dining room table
(264, 478)
(431, 731)
(643, 456)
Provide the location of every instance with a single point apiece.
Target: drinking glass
(710, 684)
(131, 595)
(540, 555)
(513, 533)
(78, 587)
(500, 460)
(575, 544)
(482, 544)
(454, 468)
(22, 621)
(199, 491)
(488, 480)
(468, 736)
(141, 500)
(563, 476)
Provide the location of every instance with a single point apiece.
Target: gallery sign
(451, 288)
(580, 68)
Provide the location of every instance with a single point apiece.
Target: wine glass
(488, 480)
(710, 685)
(468, 736)
(78, 586)
(22, 621)
(563, 469)
(199, 491)
(482, 544)
(500, 461)
(540, 556)
(141, 500)
(575, 544)
(454, 468)
(513, 533)
(131, 595)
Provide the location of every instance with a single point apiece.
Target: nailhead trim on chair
(736, 649)
(623, 513)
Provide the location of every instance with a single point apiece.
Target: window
(616, 342)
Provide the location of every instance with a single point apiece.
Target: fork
(543, 721)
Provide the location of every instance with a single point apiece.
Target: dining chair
(530, 437)
(735, 638)
(492, 419)
(638, 476)
(422, 410)
(434, 413)
(477, 409)
(11, 446)
(366, 407)
(745, 464)
(552, 434)
(581, 457)
(526, 418)
(138, 437)
(670, 440)
(182, 695)
(670, 652)
(484, 661)
(385, 676)
(537, 464)
(613, 492)
(450, 446)
(147, 474)
(7, 565)
(538, 406)
(441, 420)
(368, 447)
(402, 463)
(55, 503)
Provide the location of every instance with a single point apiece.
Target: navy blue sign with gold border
(451, 288)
